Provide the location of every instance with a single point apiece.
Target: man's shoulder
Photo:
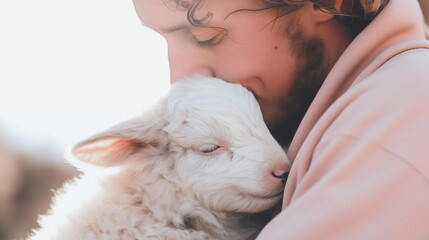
(412, 63)
(400, 78)
(400, 82)
(389, 108)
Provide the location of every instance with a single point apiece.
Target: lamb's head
(224, 154)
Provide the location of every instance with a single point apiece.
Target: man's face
(269, 56)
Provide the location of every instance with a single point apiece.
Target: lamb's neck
(243, 225)
(163, 198)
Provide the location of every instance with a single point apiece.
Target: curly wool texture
(199, 165)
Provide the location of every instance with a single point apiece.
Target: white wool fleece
(200, 165)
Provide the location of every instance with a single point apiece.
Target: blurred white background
(70, 68)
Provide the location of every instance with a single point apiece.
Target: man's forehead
(165, 16)
(157, 15)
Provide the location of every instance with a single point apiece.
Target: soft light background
(69, 68)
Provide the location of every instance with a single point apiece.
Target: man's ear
(116, 145)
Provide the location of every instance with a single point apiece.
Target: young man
(343, 83)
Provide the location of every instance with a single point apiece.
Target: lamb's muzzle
(280, 174)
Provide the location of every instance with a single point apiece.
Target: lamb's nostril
(283, 175)
(278, 173)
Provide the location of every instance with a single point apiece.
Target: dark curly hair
(354, 15)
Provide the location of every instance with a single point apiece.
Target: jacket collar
(398, 23)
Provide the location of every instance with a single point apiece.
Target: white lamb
(196, 166)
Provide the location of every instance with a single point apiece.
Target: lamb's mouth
(268, 197)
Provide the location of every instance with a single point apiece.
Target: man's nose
(185, 62)
(204, 71)
(177, 74)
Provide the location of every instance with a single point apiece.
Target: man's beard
(309, 76)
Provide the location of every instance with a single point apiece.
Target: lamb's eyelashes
(208, 148)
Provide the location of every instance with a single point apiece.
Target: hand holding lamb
(196, 166)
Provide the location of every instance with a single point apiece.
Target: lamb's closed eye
(155, 179)
(208, 148)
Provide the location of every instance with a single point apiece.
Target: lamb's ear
(117, 144)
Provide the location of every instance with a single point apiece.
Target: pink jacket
(361, 154)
